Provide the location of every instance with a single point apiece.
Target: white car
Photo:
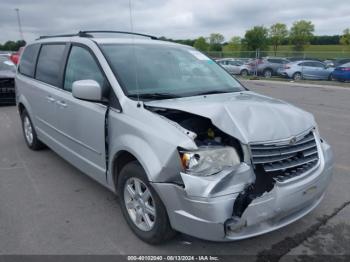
(235, 67)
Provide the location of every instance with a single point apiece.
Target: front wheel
(244, 72)
(141, 206)
(267, 73)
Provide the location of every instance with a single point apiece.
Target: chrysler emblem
(292, 141)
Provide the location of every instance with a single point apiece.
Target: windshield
(168, 70)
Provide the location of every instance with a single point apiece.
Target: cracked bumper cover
(205, 211)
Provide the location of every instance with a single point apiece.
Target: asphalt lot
(49, 207)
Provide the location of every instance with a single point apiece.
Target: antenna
(19, 24)
(134, 54)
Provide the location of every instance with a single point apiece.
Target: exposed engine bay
(209, 135)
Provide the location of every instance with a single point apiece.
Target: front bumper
(204, 209)
(7, 91)
(282, 73)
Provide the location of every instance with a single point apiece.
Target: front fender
(144, 154)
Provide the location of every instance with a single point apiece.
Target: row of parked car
(293, 68)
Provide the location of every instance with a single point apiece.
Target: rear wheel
(297, 76)
(244, 72)
(29, 133)
(141, 206)
(267, 73)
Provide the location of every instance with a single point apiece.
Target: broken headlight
(208, 161)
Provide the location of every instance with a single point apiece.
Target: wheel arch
(21, 108)
(22, 105)
(297, 72)
(242, 70)
(120, 159)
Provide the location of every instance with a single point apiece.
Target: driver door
(81, 124)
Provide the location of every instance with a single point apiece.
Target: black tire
(161, 230)
(35, 143)
(297, 76)
(244, 72)
(267, 73)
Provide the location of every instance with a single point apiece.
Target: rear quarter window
(49, 63)
(28, 60)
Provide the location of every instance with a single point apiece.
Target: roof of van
(114, 37)
(110, 40)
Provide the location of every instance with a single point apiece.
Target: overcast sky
(171, 18)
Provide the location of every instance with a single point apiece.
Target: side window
(28, 60)
(307, 64)
(317, 64)
(276, 61)
(82, 66)
(272, 60)
(49, 63)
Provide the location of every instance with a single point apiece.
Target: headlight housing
(208, 161)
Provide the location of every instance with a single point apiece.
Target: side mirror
(88, 90)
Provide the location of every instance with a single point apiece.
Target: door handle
(50, 99)
(62, 103)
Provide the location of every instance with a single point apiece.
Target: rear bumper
(282, 73)
(210, 216)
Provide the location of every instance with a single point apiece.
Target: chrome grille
(286, 161)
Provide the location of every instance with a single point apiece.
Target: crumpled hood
(247, 116)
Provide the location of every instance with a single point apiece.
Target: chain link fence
(320, 55)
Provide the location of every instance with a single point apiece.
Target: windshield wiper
(212, 92)
(155, 96)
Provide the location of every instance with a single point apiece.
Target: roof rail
(50, 36)
(116, 32)
(88, 34)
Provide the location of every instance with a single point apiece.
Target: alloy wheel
(28, 130)
(267, 74)
(140, 204)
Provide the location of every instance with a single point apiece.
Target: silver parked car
(187, 149)
(268, 66)
(235, 67)
(313, 70)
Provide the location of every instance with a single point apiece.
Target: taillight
(14, 58)
(345, 68)
(286, 67)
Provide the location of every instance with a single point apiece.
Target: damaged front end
(233, 190)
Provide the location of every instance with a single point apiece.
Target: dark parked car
(340, 62)
(342, 73)
(7, 84)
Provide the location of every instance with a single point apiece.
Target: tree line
(12, 45)
(299, 35)
(259, 37)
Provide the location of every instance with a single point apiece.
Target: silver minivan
(185, 146)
